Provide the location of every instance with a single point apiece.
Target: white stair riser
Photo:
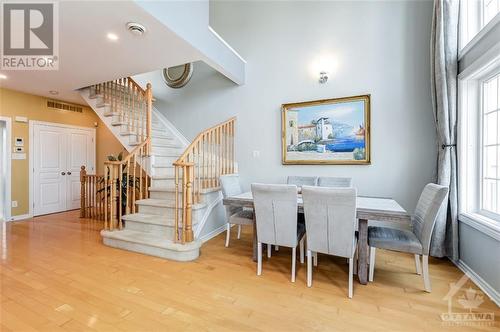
(167, 150)
(166, 195)
(168, 212)
(165, 160)
(164, 140)
(163, 171)
(163, 183)
(166, 231)
(183, 256)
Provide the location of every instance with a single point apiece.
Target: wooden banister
(210, 155)
(123, 181)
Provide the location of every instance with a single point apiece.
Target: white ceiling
(87, 56)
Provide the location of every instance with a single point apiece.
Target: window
(476, 16)
(490, 9)
(490, 154)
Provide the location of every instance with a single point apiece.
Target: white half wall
(382, 48)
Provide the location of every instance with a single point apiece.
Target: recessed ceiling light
(54, 92)
(3, 77)
(136, 29)
(112, 36)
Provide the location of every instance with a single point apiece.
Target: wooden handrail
(199, 137)
(129, 104)
(210, 155)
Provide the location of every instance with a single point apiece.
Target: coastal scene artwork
(332, 131)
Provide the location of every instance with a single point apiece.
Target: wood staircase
(153, 199)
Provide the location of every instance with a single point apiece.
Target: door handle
(69, 173)
(63, 173)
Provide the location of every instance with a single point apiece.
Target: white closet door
(59, 153)
(80, 153)
(49, 167)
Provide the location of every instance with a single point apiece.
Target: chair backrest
(275, 208)
(338, 182)
(230, 184)
(428, 206)
(330, 215)
(300, 181)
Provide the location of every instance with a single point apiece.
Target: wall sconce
(323, 77)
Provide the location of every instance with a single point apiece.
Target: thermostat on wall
(19, 141)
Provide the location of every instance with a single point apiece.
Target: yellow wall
(14, 103)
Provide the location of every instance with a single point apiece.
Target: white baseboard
(492, 293)
(20, 217)
(213, 233)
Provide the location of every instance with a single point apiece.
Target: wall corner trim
(492, 293)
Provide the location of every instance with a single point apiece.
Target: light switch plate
(14, 203)
(256, 154)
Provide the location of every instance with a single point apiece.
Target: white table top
(374, 208)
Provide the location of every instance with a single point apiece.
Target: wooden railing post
(189, 236)
(149, 110)
(83, 195)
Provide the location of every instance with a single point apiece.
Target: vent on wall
(63, 106)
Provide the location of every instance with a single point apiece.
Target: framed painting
(331, 131)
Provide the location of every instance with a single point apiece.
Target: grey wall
(480, 252)
(382, 48)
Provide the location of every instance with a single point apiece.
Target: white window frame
(470, 138)
(472, 28)
(493, 72)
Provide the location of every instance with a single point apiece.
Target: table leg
(254, 256)
(363, 251)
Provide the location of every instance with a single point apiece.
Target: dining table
(367, 208)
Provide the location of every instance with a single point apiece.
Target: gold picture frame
(327, 132)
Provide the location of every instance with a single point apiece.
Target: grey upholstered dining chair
(339, 182)
(418, 240)
(276, 220)
(230, 184)
(330, 215)
(300, 181)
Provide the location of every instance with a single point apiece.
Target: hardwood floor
(57, 276)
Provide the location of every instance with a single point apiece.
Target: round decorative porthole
(178, 76)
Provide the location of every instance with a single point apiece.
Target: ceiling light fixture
(3, 77)
(54, 92)
(112, 36)
(136, 29)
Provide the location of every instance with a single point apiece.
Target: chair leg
(268, 250)
(309, 268)
(355, 268)
(294, 258)
(228, 233)
(239, 232)
(259, 258)
(301, 246)
(427, 280)
(351, 263)
(372, 263)
(315, 258)
(417, 264)
(276, 248)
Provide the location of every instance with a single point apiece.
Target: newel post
(83, 178)
(149, 111)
